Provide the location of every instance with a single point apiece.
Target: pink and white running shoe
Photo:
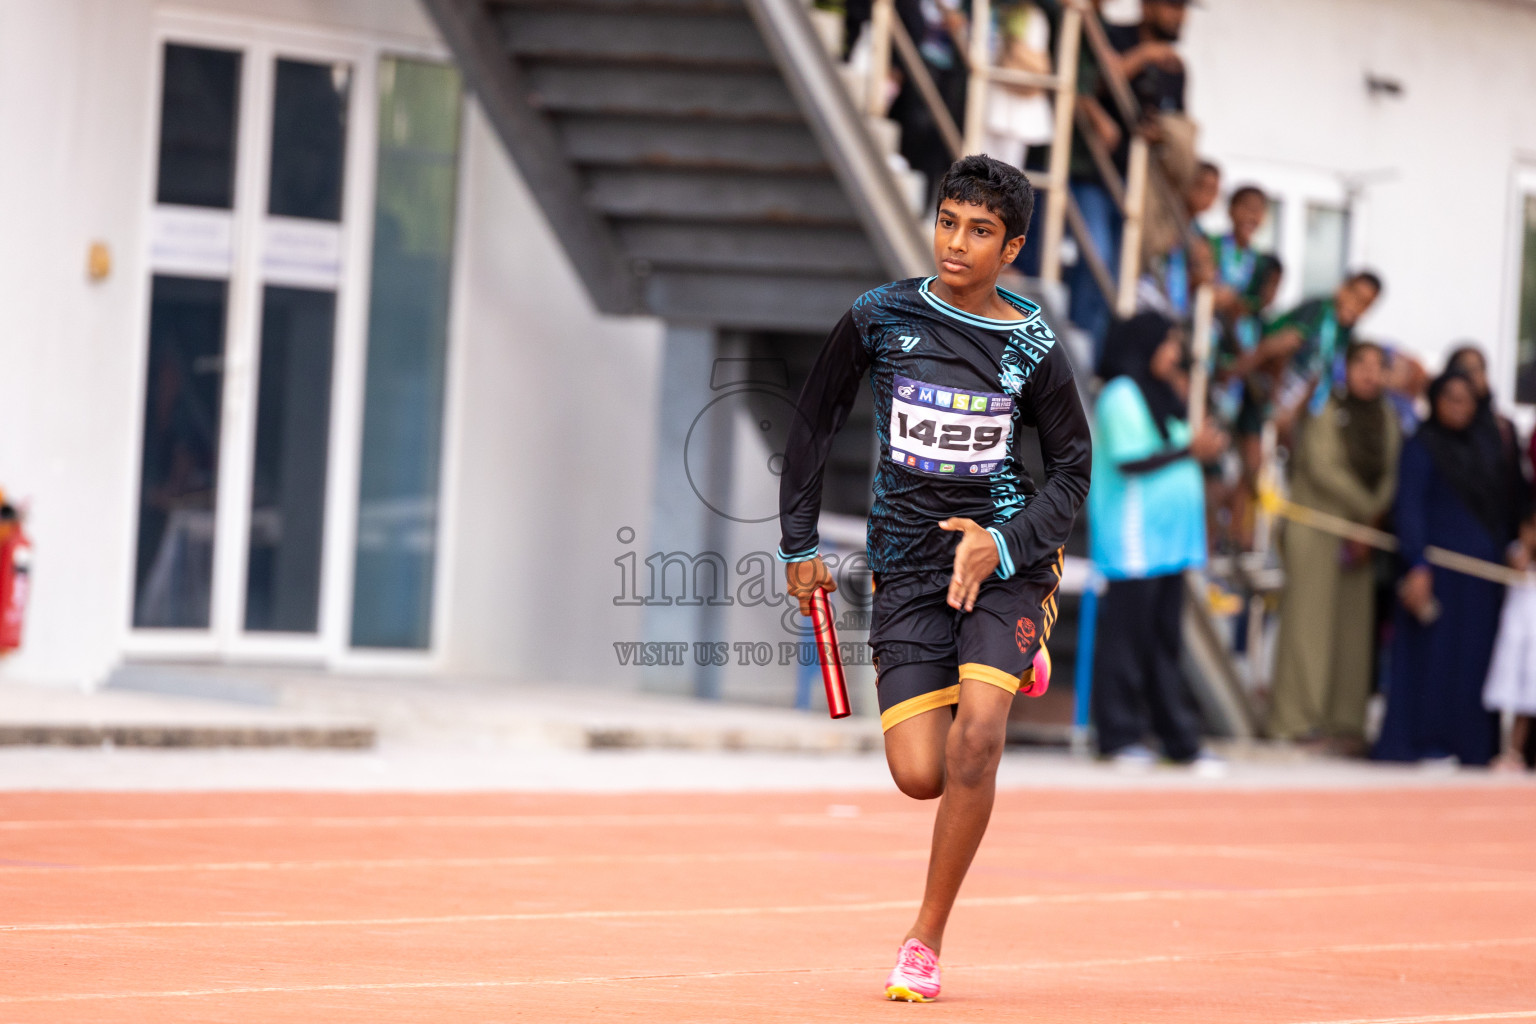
(916, 977)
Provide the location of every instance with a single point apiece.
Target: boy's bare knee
(919, 784)
(973, 753)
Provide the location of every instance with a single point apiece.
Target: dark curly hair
(1001, 188)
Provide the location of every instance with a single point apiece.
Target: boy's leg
(914, 751)
(973, 746)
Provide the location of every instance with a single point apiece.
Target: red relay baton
(827, 652)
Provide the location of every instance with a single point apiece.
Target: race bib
(946, 432)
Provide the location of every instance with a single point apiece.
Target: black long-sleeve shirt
(950, 390)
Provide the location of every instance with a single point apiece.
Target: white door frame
(261, 43)
(1504, 359)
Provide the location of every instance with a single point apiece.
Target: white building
(305, 368)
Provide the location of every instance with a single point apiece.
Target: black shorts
(923, 647)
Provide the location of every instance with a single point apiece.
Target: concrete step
(729, 246)
(715, 145)
(633, 36)
(496, 715)
(661, 91)
(40, 716)
(754, 301)
(718, 196)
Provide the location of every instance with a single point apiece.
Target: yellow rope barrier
(1271, 501)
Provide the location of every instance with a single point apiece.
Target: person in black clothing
(1147, 57)
(1155, 70)
(966, 550)
(933, 29)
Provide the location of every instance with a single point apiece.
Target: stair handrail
(887, 33)
(1130, 194)
(864, 174)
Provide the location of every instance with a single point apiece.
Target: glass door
(237, 519)
(300, 273)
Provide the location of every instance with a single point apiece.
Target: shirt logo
(946, 467)
(911, 460)
(909, 342)
(905, 391)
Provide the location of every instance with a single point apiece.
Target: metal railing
(1144, 176)
(887, 34)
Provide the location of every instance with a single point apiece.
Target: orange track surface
(1108, 907)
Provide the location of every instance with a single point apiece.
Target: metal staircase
(698, 159)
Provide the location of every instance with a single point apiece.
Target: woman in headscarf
(1345, 465)
(1146, 518)
(1454, 492)
(1495, 433)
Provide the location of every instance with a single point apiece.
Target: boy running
(966, 551)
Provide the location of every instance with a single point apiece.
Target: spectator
(1511, 685)
(1407, 383)
(1080, 164)
(1147, 525)
(1345, 465)
(1019, 117)
(1155, 71)
(1237, 261)
(1203, 190)
(1454, 494)
(1183, 263)
(1296, 359)
(1170, 279)
(1494, 430)
(1239, 336)
(934, 26)
(1158, 87)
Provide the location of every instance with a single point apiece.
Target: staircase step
(717, 196)
(671, 92)
(632, 36)
(812, 302)
(696, 144)
(738, 247)
(716, 7)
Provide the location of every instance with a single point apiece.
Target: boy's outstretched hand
(975, 560)
(802, 579)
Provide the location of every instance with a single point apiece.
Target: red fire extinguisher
(15, 565)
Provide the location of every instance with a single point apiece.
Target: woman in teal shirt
(1146, 510)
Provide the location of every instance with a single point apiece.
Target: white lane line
(1506, 814)
(463, 862)
(452, 821)
(1034, 899)
(1313, 853)
(1317, 855)
(1034, 965)
(1437, 1019)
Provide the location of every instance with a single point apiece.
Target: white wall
(1284, 84)
(74, 85)
(554, 413)
(550, 410)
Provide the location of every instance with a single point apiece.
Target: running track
(1119, 907)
